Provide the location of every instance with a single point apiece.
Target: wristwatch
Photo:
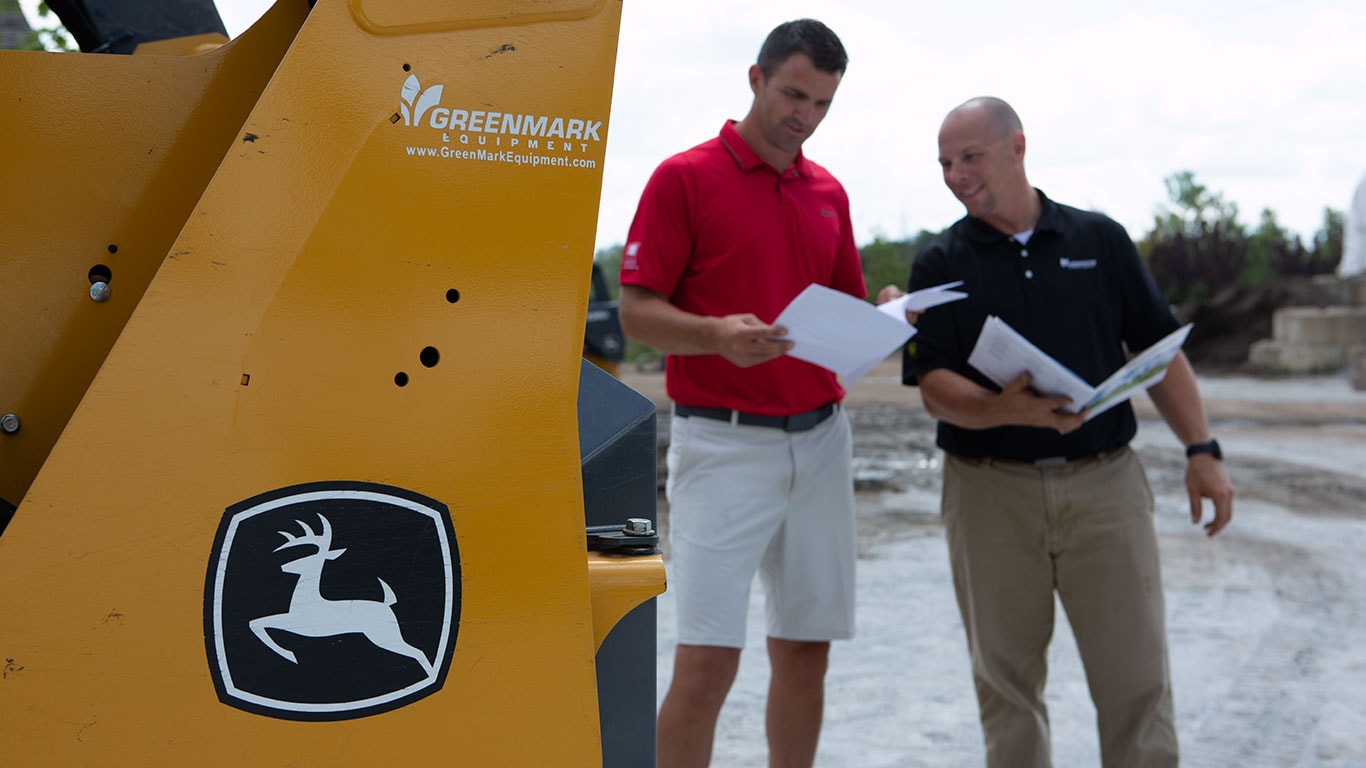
(1209, 446)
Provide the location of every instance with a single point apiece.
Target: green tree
(609, 261)
(50, 36)
(1197, 245)
(1195, 208)
(1268, 249)
(889, 263)
(883, 264)
(637, 353)
(1325, 251)
(1286, 256)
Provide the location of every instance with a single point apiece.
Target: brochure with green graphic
(1002, 354)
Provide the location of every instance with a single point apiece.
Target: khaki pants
(1016, 533)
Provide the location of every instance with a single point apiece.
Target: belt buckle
(1051, 461)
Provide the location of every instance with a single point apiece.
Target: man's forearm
(958, 400)
(1177, 398)
(651, 319)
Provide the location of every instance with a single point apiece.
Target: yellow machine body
(349, 251)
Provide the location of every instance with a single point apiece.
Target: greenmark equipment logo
(526, 140)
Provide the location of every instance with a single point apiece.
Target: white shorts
(744, 499)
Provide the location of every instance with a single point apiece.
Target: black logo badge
(331, 601)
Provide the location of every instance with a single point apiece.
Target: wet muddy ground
(1266, 621)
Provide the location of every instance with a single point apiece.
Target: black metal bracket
(637, 537)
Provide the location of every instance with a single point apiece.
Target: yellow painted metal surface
(358, 274)
(182, 46)
(102, 161)
(398, 17)
(619, 584)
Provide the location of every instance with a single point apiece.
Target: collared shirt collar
(748, 160)
(1049, 220)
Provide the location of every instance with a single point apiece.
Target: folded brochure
(1002, 354)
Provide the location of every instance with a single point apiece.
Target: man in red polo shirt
(759, 477)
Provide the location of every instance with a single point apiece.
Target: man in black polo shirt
(1036, 499)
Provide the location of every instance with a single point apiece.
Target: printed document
(1001, 354)
(849, 336)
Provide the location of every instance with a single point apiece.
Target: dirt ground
(894, 451)
(1265, 621)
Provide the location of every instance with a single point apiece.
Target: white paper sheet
(921, 300)
(841, 333)
(1002, 354)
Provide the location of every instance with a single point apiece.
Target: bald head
(996, 113)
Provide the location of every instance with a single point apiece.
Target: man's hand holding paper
(898, 303)
(746, 340)
(847, 335)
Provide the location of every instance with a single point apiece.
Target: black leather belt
(799, 422)
(1062, 461)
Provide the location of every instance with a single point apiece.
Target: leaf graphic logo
(416, 101)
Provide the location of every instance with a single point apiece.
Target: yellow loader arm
(296, 437)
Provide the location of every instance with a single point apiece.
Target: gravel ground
(1266, 621)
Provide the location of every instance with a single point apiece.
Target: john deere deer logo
(354, 613)
(312, 615)
(416, 101)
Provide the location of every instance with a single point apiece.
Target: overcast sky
(1265, 101)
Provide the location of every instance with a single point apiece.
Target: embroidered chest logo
(331, 601)
(1066, 263)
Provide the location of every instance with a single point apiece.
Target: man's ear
(756, 78)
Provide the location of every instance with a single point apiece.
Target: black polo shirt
(1077, 290)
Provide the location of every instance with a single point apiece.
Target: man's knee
(704, 673)
(798, 659)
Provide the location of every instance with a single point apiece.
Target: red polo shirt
(720, 232)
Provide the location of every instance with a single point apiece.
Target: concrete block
(1319, 325)
(1333, 289)
(1356, 290)
(1356, 365)
(1276, 356)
